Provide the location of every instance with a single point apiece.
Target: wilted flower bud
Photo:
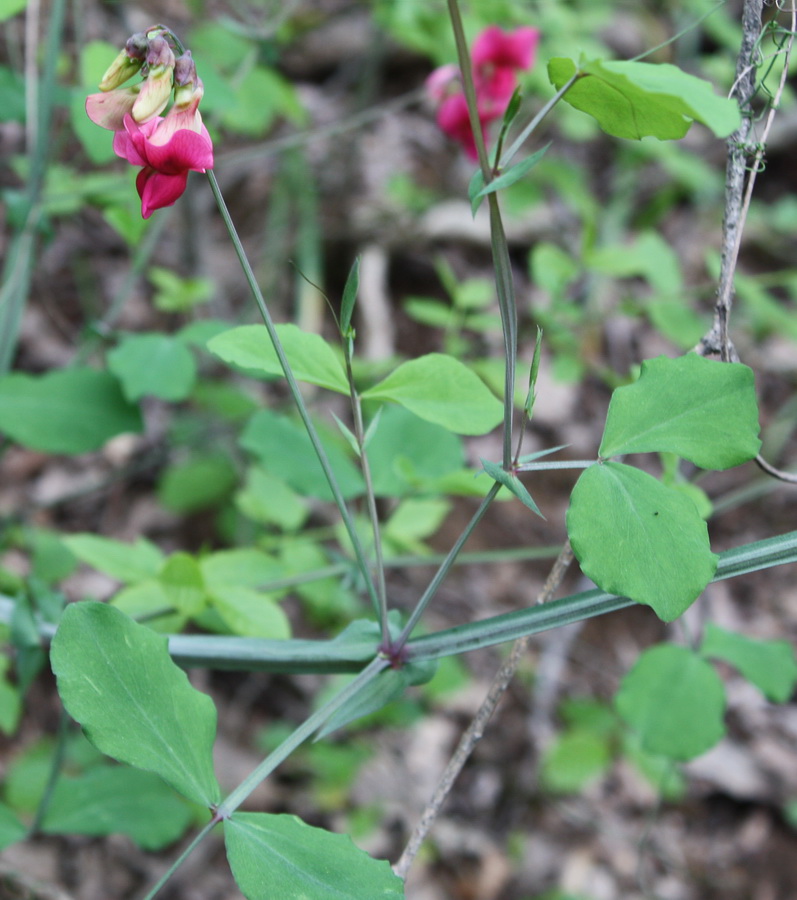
(185, 70)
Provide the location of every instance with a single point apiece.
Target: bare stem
(472, 736)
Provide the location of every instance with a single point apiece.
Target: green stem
(19, 262)
(359, 433)
(441, 573)
(505, 288)
(468, 86)
(183, 856)
(525, 134)
(293, 387)
(299, 736)
(503, 269)
(55, 773)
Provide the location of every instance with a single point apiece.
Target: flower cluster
(497, 56)
(166, 147)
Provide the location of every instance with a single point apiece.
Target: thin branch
(472, 736)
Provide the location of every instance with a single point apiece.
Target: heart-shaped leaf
(639, 539)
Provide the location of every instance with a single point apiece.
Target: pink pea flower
(167, 148)
(497, 57)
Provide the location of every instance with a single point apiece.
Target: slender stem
(54, 775)
(359, 433)
(505, 288)
(299, 736)
(472, 736)
(501, 262)
(465, 67)
(295, 392)
(183, 856)
(448, 562)
(525, 134)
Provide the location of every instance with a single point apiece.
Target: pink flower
(454, 120)
(167, 149)
(497, 57)
(494, 47)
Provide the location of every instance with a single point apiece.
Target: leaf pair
(117, 679)
(633, 535)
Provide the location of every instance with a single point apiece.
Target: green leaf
(675, 701)
(147, 601)
(574, 759)
(70, 411)
(243, 567)
(513, 483)
(201, 482)
(636, 99)
(350, 290)
(153, 365)
(250, 613)
(117, 680)
(702, 410)
(405, 453)
(284, 449)
(639, 539)
(281, 856)
(511, 175)
(311, 358)
(442, 390)
(10, 8)
(11, 829)
(183, 584)
(10, 707)
(269, 500)
(117, 799)
(125, 562)
(413, 520)
(769, 665)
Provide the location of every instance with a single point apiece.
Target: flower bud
(157, 88)
(120, 70)
(185, 70)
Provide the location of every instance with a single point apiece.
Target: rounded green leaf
(639, 539)
(311, 358)
(633, 100)
(573, 760)
(250, 613)
(153, 365)
(117, 680)
(284, 449)
(702, 410)
(769, 665)
(675, 701)
(275, 856)
(69, 411)
(442, 390)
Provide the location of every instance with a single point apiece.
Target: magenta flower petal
(498, 48)
(453, 119)
(108, 109)
(494, 91)
(158, 190)
(185, 150)
(124, 147)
